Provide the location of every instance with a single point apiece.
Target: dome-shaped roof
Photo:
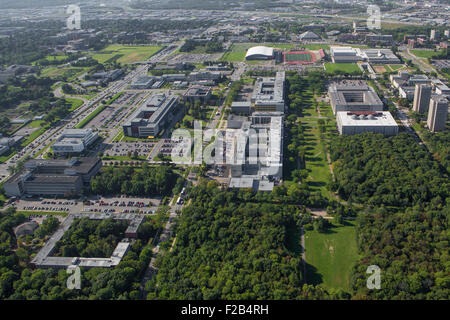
(259, 51)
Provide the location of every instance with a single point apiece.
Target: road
(41, 143)
(408, 55)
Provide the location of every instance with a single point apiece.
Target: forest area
(19, 281)
(229, 249)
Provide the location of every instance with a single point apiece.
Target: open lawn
(125, 54)
(331, 255)
(424, 53)
(316, 158)
(43, 213)
(69, 73)
(332, 68)
(74, 103)
(8, 155)
(34, 135)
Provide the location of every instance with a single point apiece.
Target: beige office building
(437, 115)
(422, 96)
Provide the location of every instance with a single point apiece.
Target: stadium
(302, 56)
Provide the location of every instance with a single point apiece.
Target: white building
(260, 53)
(74, 141)
(360, 122)
(352, 55)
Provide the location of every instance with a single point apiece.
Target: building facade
(437, 114)
(52, 177)
(422, 97)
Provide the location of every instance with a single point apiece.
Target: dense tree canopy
(148, 181)
(411, 247)
(231, 250)
(394, 171)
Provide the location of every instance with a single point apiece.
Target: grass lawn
(316, 158)
(342, 67)
(425, 53)
(75, 103)
(56, 57)
(33, 136)
(71, 73)
(331, 255)
(123, 158)
(125, 54)
(36, 123)
(8, 155)
(44, 213)
(395, 67)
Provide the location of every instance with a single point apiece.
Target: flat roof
(382, 119)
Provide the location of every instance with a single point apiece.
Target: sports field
(298, 57)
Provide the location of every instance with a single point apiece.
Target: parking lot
(121, 204)
(142, 148)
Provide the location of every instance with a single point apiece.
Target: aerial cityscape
(224, 150)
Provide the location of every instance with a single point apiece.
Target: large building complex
(74, 141)
(260, 53)
(151, 117)
(255, 152)
(351, 55)
(143, 83)
(354, 96)
(52, 177)
(437, 114)
(422, 97)
(359, 122)
(44, 259)
(268, 94)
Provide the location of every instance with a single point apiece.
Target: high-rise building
(434, 34)
(422, 96)
(437, 115)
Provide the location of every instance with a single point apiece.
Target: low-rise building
(205, 75)
(74, 141)
(354, 96)
(268, 93)
(143, 83)
(352, 55)
(360, 122)
(241, 107)
(385, 39)
(197, 93)
(151, 117)
(52, 177)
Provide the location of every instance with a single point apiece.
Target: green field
(34, 135)
(56, 57)
(44, 213)
(331, 255)
(332, 68)
(125, 54)
(425, 53)
(294, 57)
(69, 72)
(316, 157)
(74, 103)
